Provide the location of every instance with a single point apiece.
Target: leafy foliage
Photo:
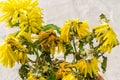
(23, 71)
(104, 64)
(51, 26)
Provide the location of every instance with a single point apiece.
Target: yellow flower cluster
(74, 27)
(106, 36)
(32, 77)
(88, 66)
(25, 13)
(12, 51)
(74, 38)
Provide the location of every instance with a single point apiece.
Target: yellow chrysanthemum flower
(79, 28)
(12, 51)
(21, 57)
(17, 12)
(106, 36)
(32, 19)
(49, 40)
(18, 48)
(7, 56)
(88, 66)
(31, 76)
(69, 77)
(65, 31)
(65, 69)
(12, 9)
(14, 42)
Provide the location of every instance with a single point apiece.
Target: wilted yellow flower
(65, 31)
(64, 69)
(21, 57)
(49, 40)
(106, 36)
(74, 27)
(18, 48)
(12, 51)
(81, 28)
(7, 55)
(31, 76)
(17, 12)
(69, 77)
(61, 47)
(15, 43)
(88, 66)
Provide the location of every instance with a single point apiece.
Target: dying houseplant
(86, 46)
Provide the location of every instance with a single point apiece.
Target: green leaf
(69, 49)
(52, 77)
(51, 26)
(103, 18)
(104, 64)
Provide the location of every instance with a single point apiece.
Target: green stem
(75, 49)
(74, 45)
(36, 52)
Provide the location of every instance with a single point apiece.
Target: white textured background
(57, 11)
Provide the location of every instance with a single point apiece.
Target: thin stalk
(36, 53)
(74, 45)
(75, 49)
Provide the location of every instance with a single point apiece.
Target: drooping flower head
(81, 28)
(7, 56)
(65, 31)
(106, 37)
(74, 27)
(88, 66)
(64, 70)
(12, 51)
(49, 40)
